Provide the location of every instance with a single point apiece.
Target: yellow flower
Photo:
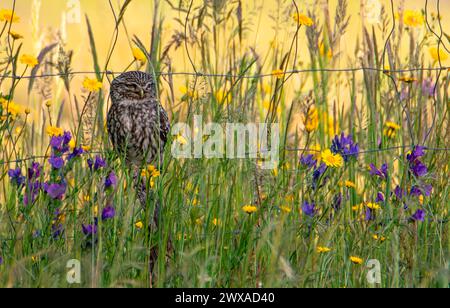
(48, 103)
(27, 111)
(358, 207)
(356, 260)
(9, 16)
(92, 85)
(407, 79)
(139, 55)
(421, 199)
(72, 144)
(216, 222)
(312, 120)
(379, 238)
(332, 160)
(15, 35)
(350, 184)
(413, 18)
(373, 206)
(11, 108)
(436, 55)
(391, 130)
(303, 20)
(279, 74)
(151, 172)
(139, 225)
(321, 250)
(223, 97)
(54, 131)
(250, 209)
(322, 50)
(86, 148)
(29, 60)
(189, 92)
(286, 209)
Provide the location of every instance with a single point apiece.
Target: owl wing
(164, 127)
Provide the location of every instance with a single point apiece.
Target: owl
(138, 125)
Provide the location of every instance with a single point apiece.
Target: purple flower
(57, 230)
(428, 88)
(108, 213)
(380, 198)
(381, 173)
(309, 209)
(55, 191)
(419, 216)
(16, 176)
(337, 202)
(425, 190)
(1, 260)
(399, 193)
(97, 163)
(66, 138)
(58, 144)
(308, 161)
(31, 193)
(111, 180)
(34, 171)
(56, 162)
(89, 229)
(418, 168)
(77, 152)
(318, 172)
(345, 146)
(369, 215)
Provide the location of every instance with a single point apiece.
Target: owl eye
(132, 86)
(149, 86)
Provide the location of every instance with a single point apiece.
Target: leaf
(41, 58)
(93, 49)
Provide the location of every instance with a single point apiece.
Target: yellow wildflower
(356, 260)
(15, 35)
(358, 207)
(350, 184)
(216, 222)
(29, 60)
(373, 206)
(321, 250)
(332, 160)
(438, 55)
(285, 209)
(139, 55)
(139, 225)
(72, 144)
(27, 111)
(303, 20)
(250, 209)
(407, 79)
(92, 85)
(54, 131)
(413, 18)
(223, 97)
(376, 237)
(391, 129)
(9, 16)
(311, 121)
(279, 74)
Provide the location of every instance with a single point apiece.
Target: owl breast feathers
(138, 125)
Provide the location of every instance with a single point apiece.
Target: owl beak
(141, 93)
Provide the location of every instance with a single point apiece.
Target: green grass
(214, 242)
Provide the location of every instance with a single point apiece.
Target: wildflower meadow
(355, 95)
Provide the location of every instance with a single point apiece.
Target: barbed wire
(256, 76)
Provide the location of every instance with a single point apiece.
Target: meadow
(360, 91)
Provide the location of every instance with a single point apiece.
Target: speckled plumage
(138, 125)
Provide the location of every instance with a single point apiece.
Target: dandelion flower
(350, 184)
(311, 120)
(413, 18)
(286, 209)
(139, 55)
(92, 85)
(15, 35)
(332, 160)
(279, 74)
(303, 20)
(373, 206)
(376, 237)
(250, 209)
(139, 225)
(356, 260)
(54, 131)
(9, 16)
(29, 60)
(391, 129)
(438, 55)
(322, 250)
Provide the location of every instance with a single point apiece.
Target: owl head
(133, 86)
